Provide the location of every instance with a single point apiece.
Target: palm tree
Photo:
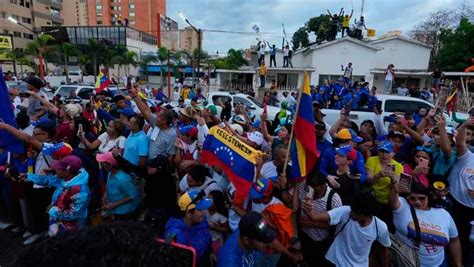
(147, 59)
(65, 50)
(19, 58)
(96, 51)
(129, 58)
(39, 47)
(163, 55)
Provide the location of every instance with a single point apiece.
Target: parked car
(82, 90)
(191, 82)
(389, 104)
(75, 75)
(248, 101)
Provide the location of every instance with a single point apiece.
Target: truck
(390, 104)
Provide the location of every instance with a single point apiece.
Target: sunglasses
(420, 198)
(424, 148)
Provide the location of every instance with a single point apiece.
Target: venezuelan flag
(304, 152)
(236, 158)
(102, 81)
(451, 100)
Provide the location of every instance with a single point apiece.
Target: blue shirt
(322, 146)
(328, 164)
(136, 146)
(232, 255)
(120, 186)
(160, 96)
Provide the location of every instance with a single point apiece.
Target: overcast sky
(241, 15)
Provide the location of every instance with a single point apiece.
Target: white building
(369, 60)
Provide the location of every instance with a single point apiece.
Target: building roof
(402, 38)
(341, 40)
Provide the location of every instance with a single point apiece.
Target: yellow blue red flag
(304, 153)
(102, 81)
(236, 158)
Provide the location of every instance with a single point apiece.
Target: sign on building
(5, 43)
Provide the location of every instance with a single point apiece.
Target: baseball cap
(239, 119)
(190, 130)
(35, 82)
(106, 157)
(256, 137)
(262, 187)
(349, 134)
(256, 123)
(185, 202)
(45, 122)
(70, 163)
(212, 109)
(450, 130)
(284, 104)
(347, 151)
(253, 225)
(237, 128)
(127, 112)
(58, 150)
(385, 146)
(396, 134)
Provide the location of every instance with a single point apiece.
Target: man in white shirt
(269, 169)
(402, 90)
(357, 229)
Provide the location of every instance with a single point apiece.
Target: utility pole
(362, 8)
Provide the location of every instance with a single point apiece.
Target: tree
(457, 47)
(65, 50)
(39, 46)
(234, 60)
(300, 38)
(320, 26)
(429, 30)
(147, 59)
(162, 55)
(96, 51)
(19, 57)
(129, 58)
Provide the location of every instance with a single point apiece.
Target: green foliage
(300, 38)
(457, 47)
(234, 60)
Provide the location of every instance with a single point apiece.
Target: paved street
(10, 246)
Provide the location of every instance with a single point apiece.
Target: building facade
(76, 13)
(189, 39)
(34, 14)
(143, 15)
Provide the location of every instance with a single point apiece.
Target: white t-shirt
(216, 218)
(262, 50)
(209, 185)
(286, 52)
(42, 162)
(269, 171)
(461, 179)
(436, 226)
(260, 207)
(107, 144)
(352, 245)
(402, 91)
(389, 76)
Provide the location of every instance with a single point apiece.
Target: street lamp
(181, 15)
(40, 58)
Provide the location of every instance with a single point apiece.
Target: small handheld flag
(102, 81)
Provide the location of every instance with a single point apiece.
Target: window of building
(27, 4)
(99, 22)
(48, 23)
(3, 15)
(131, 6)
(98, 6)
(132, 22)
(17, 34)
(54, 13)
(26, 20)
(6, 32)
(16, 17)
(14, 2)
(132, 14)
(28, 36)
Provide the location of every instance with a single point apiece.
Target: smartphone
(423, 163)
(80, 130)
(310, 193)
(405, 181)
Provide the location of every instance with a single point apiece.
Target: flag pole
(300, 93)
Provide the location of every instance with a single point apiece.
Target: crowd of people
(401, 192)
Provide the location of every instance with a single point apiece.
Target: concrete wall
(328, 60)
(402, 54)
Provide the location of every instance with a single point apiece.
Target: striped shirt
(318, 234)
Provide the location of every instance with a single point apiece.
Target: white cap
(238, 128)
(256, 137)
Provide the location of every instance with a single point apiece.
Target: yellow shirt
(345, 21)
(185, 93)
(382, 187)
(262, 70)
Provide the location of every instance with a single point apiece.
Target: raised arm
(461, 146)
(338, 123)
(415, 135)
(51, 108)
(21, 135)
(142, 106)
(329, 13)
(393, 200)
(445, 142)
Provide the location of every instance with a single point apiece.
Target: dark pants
(273, 60)
(261, 59)
(463, 216)
(314, 252)
(386, 214)
(39, 199)
(358, 34)
(262, 81)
